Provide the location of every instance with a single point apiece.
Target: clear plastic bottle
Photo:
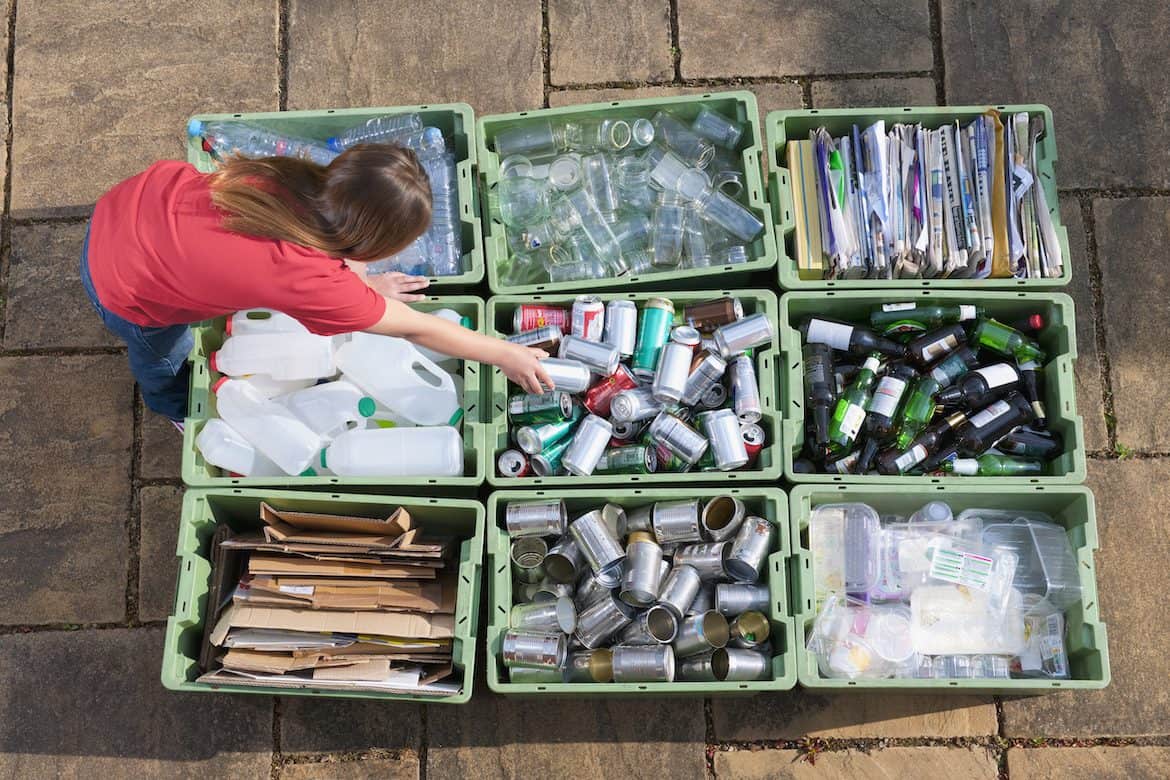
(376, 130)
(267, 425)
(669, 217)
(396, 452)
(444, 238)
(717, 128)
(330, 409)
(674, 134)
(396, 375)
(223, 447)
(412, 260)
(279, 355)
(261, 321)
(224, 139)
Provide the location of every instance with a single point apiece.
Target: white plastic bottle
(279, 355)
(261, 321)
(446, 362)
(268, 426)
(222, 446)
(396, 375)
(396, 452)
(330, 409)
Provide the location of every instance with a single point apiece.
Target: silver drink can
(707, 369)
(625, 431)
(715, 397)
(734, 338)
(750, 630)
(704, 599)
(546, 338)
(726, 440)
(679, 590)
(590, 666)
(536, 518)
(536, 651)
(572, 376)
(639, 519)
(687, 336)
(564, 560)
(676, 521)
(750, 549)
(641, 576)
(621, 326)
(588, 445)
(601, 358)
(528, 559)
(512, 463)
(738, 665)
(599, 547)
(525, 675)
(548, 590)
(587, 318)
(707, 559)
(745, 390)
(678, 437)
(722, 517)
(634, 405)
(601, 620)
(701, 633)
(544, 617)
(633, 663)
(674, 367)
(654, 626)
(735, 599)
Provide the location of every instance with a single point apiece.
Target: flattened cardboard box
(399, 624)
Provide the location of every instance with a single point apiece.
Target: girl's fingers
(414, 283)
(409, 298)
(543, 379)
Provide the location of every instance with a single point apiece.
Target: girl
(172, 246)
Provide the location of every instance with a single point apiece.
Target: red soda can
(753, 440)
(588, 320)
(513, 463)
(598, 397)
(530, 316)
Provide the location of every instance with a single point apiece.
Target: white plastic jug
(279, 355)
(261, 321)
(396, 452)
(267, 425)
(446, 362)
(330, 409)
(397, 376)
(222, 446)
(271, 388)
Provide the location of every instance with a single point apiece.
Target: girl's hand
(522, 366)
(398, 286)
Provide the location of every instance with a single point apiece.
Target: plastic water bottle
(267, 425)
(279, 355)
(412, 260)
(227, 138)
(223, 447)
(444, 237)
(445, 362)
(396, 452)
(398, 376)
(261, 321)
(377, 130)
(330, 409)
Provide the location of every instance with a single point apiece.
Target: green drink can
(548, 462)
(535, 438)
(632, 459)
(551, 407)
(654, 323)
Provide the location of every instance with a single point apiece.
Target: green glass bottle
(849, 413)
(1007, 341)
(917, 411)
(990, 465)
(898, 318)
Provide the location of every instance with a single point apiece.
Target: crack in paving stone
(1097, 293)
(282, 52)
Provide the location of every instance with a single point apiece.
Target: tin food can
(513, 463)
(536, 651)
(621, 326)
(680, 589)
(599, 546)
(736, 598)
(640, 578)
(601, 620)
(745, 390)
(701, 633)
(722, 517)
(535, 518)
(643, 663)
(588, 318)
(527, 558)
(530, 316)
(654, 323)
(707, 559)
(676, 521)
(750, 549)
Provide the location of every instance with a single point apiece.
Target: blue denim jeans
(158, 356)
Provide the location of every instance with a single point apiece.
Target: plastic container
(1047, 565)
(1071, 507)
(455, 120)
(747, 150)
(783, 126)
(501, 309)
(769, 503)
(398, 376)
(198, 473)
(204, 509)
(1058, 340)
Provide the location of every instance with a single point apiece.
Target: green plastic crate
(783, 126)
(769, 503)
(768, 464)
(203, 510)
(1070, 506)
(1058, 341)
(456, 120)
(209, 337)
(740, 105)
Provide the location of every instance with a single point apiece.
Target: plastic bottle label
(885, 398)
(939, 348)
(988, 415)
(835, 334)
(851, 422)
(998, 375)
(911, 457)
(897, 306)
(966, 312)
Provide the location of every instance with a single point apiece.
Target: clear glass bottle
(669, 219)
(717, 128)
(674, 134)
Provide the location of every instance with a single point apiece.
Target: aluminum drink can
(632, 459)
(739, 336)
(598, 398)
(621, 326)
(654, 323)
(530, 316)
(547, 338)
(548, 462)
(753, 440)
(722, 430)
(674, 368)
(634, 405)
(601, 359)
(534, 439)
(536, 518)
(587, 446)
(572, 376)
(678, 437)
(625, 432)
(714, 397)
(553, 406)
(745, 390)
(707, 316)
(588, 318)
(687, 336)
(706, 371)
(513, 463)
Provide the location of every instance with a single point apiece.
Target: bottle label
(989, 415)
(851, 421)
(910, 458)
(939, 348)
(887, 395)
(967, 467)
(998, 375)
(871, 364)
(898, 306)
(835, 334)
(966, 312)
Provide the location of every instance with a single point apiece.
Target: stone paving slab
(65, 430)
(374, 53)
(113, 718)
(951, 763)
(1100, 66)
(1098, 763)
(799, 713)
(873, 92)
(1131, 501)
(161, 454)
(1131, 238)
(496, 737)
(628, 41)
(404, 768)
(793, 37)
(309, 725)
(158, 569)
(1087, 369)
(102, 88)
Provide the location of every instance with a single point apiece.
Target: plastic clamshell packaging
(740, 105)
(1070, 507)
(198, 473)
(203, 510)
(769, 503)
(1058, 340)
(500, 310)
(785, 126)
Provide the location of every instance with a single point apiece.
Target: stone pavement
(96, 90)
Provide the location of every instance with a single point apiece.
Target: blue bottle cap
(195, 127)
(334, 144)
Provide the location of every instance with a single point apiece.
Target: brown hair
(369, 203)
